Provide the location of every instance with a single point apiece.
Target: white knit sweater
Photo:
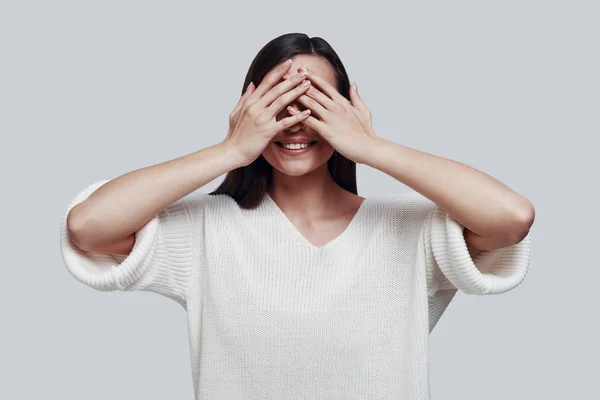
(272, 316)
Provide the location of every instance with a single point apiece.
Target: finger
(319, 96)
(315, 124)
(314, 106)
(293, 120)
(326, 87)
(271, 80)
(249, 90)
(282, 88)
(286, 99)
(355, 98)
(240, 103)
(293, 110)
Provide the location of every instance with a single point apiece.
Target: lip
(302, 140)
(295, 152)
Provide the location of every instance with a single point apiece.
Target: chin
(299, 170)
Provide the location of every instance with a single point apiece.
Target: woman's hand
(252, 123)
(345, 125)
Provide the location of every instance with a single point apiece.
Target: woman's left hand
(345, 125)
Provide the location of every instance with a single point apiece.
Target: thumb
(355, 98)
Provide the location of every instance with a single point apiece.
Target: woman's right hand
(252, 123)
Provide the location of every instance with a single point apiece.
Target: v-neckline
(296, 232)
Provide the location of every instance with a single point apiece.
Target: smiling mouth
(294, 146)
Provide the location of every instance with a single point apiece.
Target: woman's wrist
(233, 154)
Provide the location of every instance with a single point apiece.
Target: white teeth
(295, 146)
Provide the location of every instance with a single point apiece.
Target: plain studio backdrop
(92, 90)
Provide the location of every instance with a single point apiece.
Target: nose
(299, 126)
(295, 104)
(295, 128)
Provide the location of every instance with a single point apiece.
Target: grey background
(92, 90)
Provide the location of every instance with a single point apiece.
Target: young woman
(295, 287)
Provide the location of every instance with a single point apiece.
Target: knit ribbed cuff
(160, 260)
(487, 272)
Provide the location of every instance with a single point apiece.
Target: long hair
(247, 185)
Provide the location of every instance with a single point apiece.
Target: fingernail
(288, 62)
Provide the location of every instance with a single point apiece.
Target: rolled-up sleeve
(450, 265)
(161, 260)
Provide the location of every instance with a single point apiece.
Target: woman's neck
(313, 194)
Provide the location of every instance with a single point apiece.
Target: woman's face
(318, 153)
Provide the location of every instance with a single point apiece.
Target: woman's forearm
(495, 214)
(124, 204)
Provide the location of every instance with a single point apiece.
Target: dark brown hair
(247, 185)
